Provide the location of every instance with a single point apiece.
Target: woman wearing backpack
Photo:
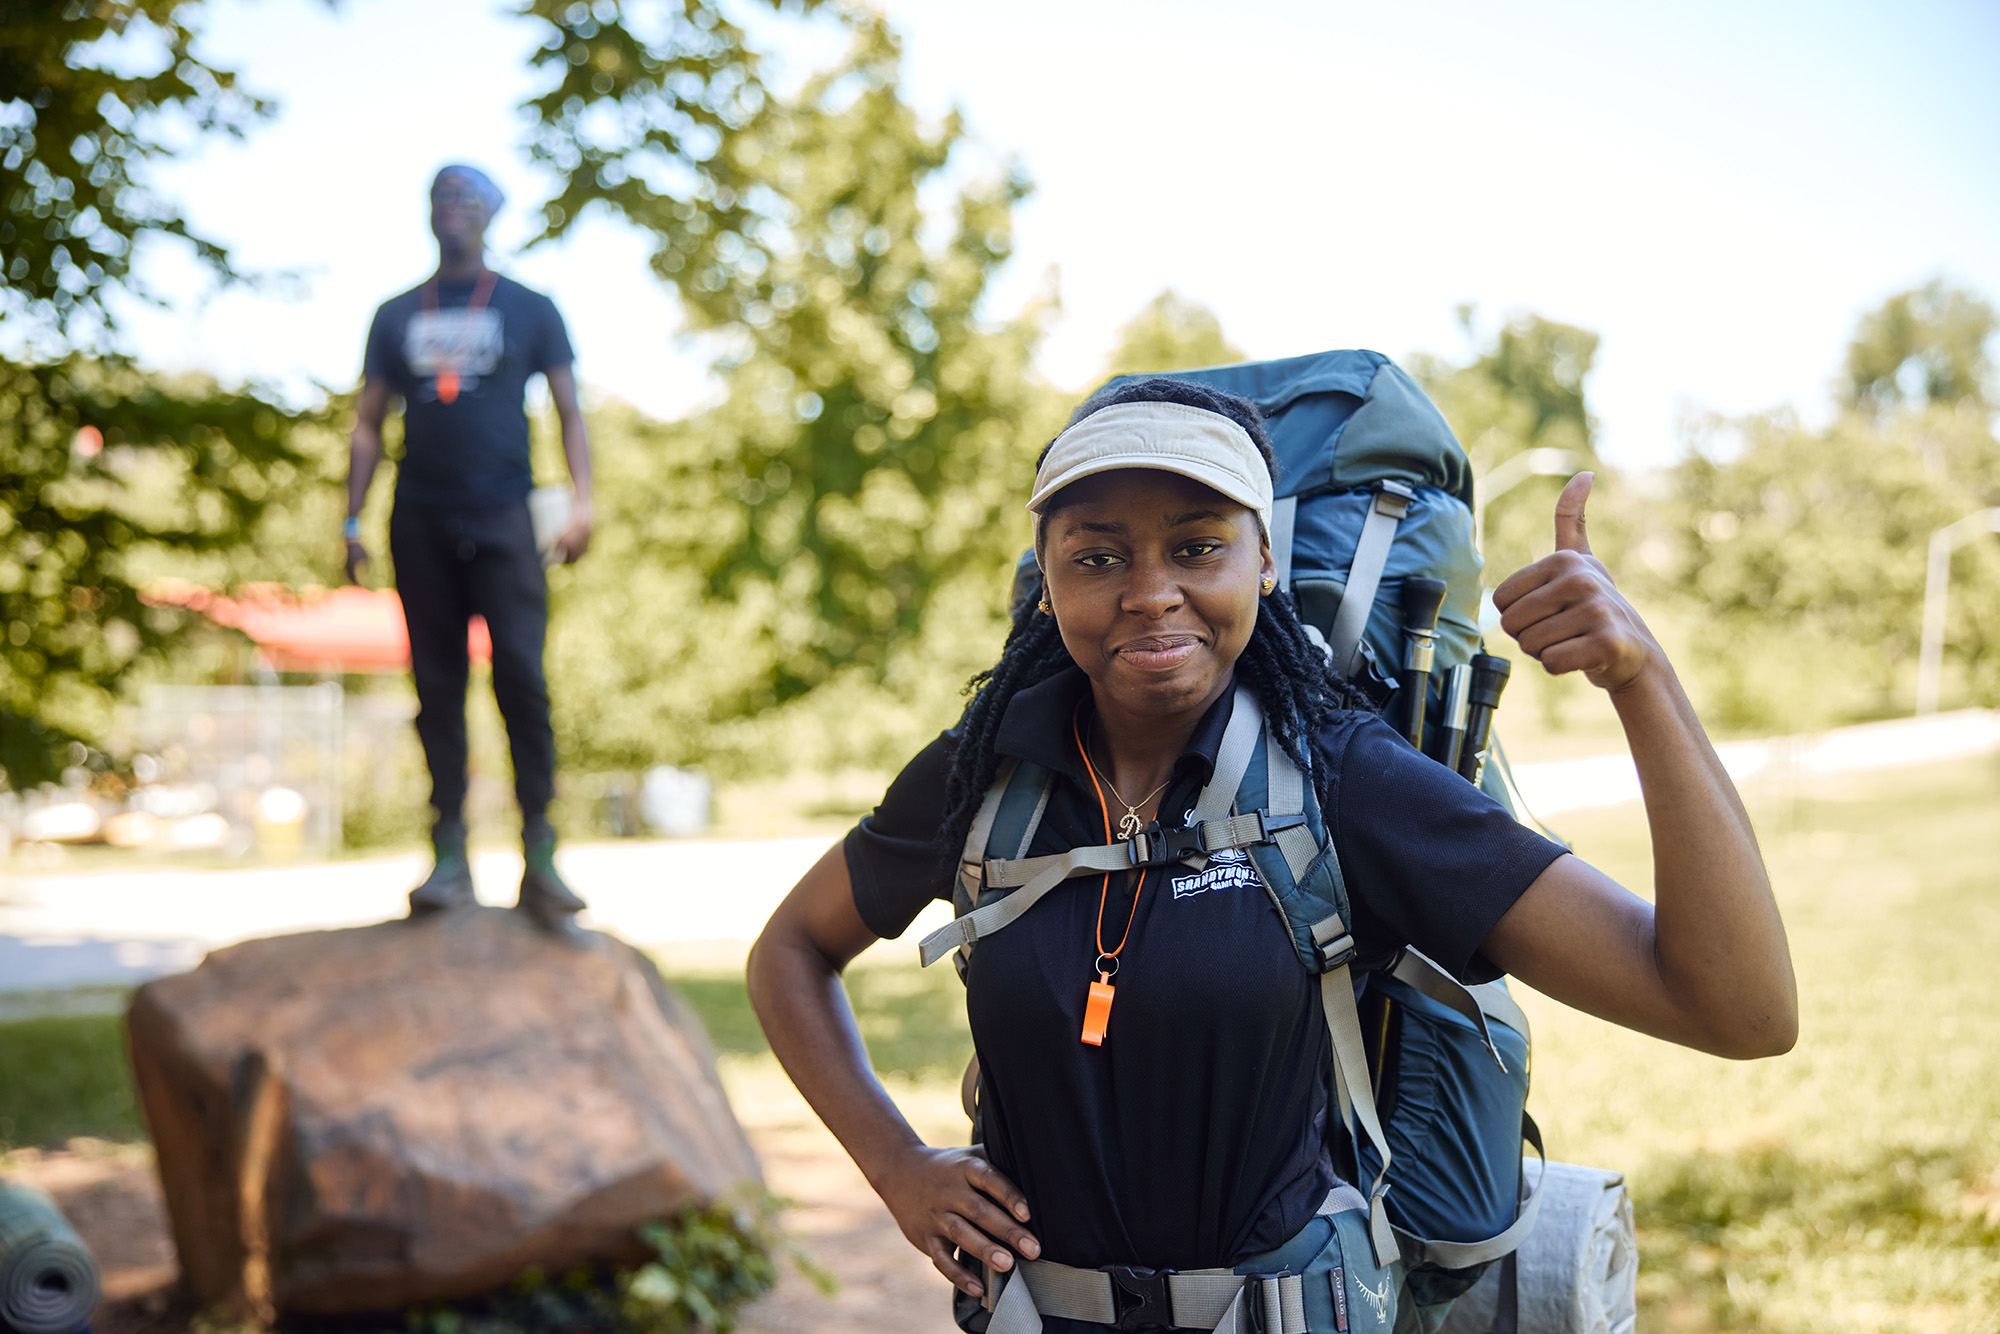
(1153, 1060)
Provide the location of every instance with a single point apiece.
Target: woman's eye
(1097, 560)
(1201, 548)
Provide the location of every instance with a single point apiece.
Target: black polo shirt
(1197, 1134)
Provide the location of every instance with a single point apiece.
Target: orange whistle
(1097, 1010)
(447, 386)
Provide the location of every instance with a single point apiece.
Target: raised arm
(575, 539)
(941, 1198)
(364, 452)
(1706, 965)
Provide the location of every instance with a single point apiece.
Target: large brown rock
(357, 1120)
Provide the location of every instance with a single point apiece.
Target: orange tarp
(343, 629)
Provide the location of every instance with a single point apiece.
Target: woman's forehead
(1135, 498)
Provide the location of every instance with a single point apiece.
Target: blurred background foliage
(101, 464)
(801, 574)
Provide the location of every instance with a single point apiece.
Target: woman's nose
(1153, 591)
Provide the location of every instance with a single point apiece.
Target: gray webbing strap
(1459, 1254)
(1034, 820)
(1364, 574)
(1285, 790)
(1495, 1003)
(1350, 1077)
(1232, 758)
(973, 858)
(1079, 861)
(1417, 970)
(1000, 913)
(1217, 1299)
(1284, 519)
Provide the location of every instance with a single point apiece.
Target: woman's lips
(1158, 653)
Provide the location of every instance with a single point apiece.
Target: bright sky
(1719, 194)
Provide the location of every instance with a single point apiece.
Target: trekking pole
(1489, 678)
(1457, 702)
(1421, 601)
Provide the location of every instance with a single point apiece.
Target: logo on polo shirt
(1228, 869)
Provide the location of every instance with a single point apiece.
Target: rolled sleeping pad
(1578, 1271)
(48, 1278)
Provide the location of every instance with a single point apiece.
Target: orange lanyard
(1097, 1006)
(447, 376)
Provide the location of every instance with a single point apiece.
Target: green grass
(1853, 1184)
(65, 1075)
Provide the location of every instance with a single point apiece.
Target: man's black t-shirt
(471, 453)
(1196, 1135)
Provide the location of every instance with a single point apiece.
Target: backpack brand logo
(1229, 868)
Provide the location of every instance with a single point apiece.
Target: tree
(100, 463)
(877, 435)
(1804, 551)
(1926, 346)
(1171, 333)
(1526, 389)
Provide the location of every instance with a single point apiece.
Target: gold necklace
(1129, 824)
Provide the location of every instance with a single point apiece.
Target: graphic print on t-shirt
(463, 340)
(1229, 868)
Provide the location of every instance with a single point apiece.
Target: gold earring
(1044, 608)
(1269, 584)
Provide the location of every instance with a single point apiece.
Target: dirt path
(112, 1196)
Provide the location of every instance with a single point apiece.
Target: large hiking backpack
(1373, 488)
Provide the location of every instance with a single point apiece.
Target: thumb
(1570, 535)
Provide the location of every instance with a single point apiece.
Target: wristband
(352, 529)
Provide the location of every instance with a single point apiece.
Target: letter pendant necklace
(1097, 1005)
(447, 376)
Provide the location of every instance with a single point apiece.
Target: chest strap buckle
(1140, 1297)
(1158, 846)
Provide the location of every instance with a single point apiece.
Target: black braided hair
(1300, 690)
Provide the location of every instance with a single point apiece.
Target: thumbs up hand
(1566, 613)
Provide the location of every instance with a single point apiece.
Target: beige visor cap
(1169, 437)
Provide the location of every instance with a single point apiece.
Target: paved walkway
(119, 926)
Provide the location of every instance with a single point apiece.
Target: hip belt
(1129, 1297)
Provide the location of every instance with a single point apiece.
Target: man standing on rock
(458, 351)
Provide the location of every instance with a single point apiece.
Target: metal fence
(262, 760)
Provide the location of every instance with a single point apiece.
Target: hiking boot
(548, 902)
(449, 885)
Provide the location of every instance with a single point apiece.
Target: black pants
(452, 566)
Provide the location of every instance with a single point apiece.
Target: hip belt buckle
(1140, 1297)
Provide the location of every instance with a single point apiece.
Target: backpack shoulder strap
(1364, 573)
(1314, 897)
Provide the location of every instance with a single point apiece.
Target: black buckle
(1139, 1297)
(1253, 1301)
(1338, 951)
(1273, 823)
(1157, 846)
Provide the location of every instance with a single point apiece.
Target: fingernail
(1002, 1261)
(1029, 1248)
(974, 1290)
(1021, 1212)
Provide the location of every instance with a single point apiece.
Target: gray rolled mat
(48, 1279)
(1579, 1268)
